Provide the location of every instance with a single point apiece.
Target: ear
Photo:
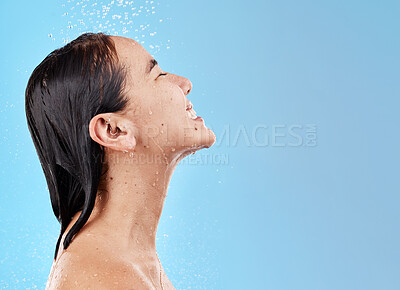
(113, 131)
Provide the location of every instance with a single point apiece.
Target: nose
(184, 83)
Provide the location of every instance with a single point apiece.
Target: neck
(130, 200)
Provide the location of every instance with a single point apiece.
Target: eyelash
(162, 74)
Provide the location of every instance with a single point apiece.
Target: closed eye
(162, 74)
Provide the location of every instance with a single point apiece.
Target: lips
(191, 113)
(189, 106)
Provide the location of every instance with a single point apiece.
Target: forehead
(132, 54)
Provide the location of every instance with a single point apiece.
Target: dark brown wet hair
(65, 91)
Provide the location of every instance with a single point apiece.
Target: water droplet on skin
(146, 146)
(150, 112)
(156, 172)
(154, 184)
(131, 154)
(125, 214)
(172, 149)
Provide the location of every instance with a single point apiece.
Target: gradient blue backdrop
(287, 214)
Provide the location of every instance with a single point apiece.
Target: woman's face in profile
(158, 104)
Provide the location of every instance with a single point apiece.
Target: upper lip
(189, 106)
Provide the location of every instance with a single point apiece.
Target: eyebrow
(152, 63)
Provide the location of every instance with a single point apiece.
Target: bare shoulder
(93, 271)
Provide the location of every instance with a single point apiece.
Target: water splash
(115, 17)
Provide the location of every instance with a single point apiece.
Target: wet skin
(116, 249)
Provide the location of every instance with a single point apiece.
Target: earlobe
(130, 142)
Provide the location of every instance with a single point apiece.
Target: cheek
(171, 106)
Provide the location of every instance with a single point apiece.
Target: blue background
(277, 207)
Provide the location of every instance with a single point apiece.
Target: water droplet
(156, 172)
(150, 112)
(154, 184)
(131, 154)
(125, 214)
(172, 149)
(50, 35)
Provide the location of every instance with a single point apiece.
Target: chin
(210, 138)
(205, 139)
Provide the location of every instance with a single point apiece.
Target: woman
(109, 126)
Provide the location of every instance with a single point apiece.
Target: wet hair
(65, 91)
